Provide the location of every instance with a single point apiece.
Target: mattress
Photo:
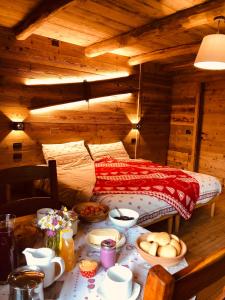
(76, 185)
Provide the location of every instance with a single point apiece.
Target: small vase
(52, 240)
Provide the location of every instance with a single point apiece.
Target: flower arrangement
(53, 222)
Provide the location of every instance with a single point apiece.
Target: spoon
(121, 217)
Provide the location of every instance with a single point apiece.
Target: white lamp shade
(211, 54)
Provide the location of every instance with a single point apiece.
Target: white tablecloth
(72, 286)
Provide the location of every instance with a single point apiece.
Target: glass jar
(8, 253)
(108, 253)
(52, 240)
(67, 249)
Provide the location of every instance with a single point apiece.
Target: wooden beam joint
(38, 16)
(177, 22)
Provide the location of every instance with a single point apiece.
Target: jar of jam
(108, 253)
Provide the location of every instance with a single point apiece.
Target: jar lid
(67, 233)
(27, 277)
(108, 244)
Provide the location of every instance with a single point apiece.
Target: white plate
(121, 242)
(134, 296)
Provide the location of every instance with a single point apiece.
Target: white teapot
(45, 259)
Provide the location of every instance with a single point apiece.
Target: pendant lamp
(211, 54)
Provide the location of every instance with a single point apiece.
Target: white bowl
(124, 212)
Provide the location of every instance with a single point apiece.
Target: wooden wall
(41, 60)
(36, 58)
(155, 113)
(211, 158)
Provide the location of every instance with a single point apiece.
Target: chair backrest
(161, 285)
(21, 174)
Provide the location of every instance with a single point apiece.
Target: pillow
(68, 154)
(115, 150)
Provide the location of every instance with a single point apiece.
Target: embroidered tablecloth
(72, 286)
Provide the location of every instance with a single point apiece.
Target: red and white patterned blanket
(177, 188)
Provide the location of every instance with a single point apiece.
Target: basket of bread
(161, 248)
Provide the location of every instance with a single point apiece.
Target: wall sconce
(17, 125)
(137, 125)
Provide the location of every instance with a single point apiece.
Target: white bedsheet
(76, 185)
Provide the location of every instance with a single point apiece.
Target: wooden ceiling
(162, 29)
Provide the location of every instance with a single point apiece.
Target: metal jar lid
(27, 277)
(108, 244)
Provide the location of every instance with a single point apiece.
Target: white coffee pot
(45, 259)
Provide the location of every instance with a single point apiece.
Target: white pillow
(115, 150)
(70, 154)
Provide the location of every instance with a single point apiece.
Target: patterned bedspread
(171, 185)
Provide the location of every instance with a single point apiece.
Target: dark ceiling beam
(39, 15)
(178, 22)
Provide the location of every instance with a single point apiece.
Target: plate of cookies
(161, 248)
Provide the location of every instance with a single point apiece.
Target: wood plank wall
(212, 149)
(155, 112)
(36, 58)
(99, 122)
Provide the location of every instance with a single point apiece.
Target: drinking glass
(8, 259)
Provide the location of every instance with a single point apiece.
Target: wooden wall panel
(212, 151)
(212, 146)
(96, 122)
(155, 112)
(181, 123)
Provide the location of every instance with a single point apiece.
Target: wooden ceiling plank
(157, 28)
(163, 54)
(39, 15)
(40, 50)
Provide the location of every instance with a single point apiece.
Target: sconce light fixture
(17, 125)
(137, 125)
(211, 54)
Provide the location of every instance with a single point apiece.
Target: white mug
(45, 259)
(43, 212)
(118, 283)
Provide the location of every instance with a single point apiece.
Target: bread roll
(175, 237)
(166, 251)
(176, 245)
(145, 246)
(152, 236)
(163, 239)
(153, 248)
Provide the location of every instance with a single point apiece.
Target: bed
(76, 177)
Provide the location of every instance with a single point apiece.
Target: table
(72, 286)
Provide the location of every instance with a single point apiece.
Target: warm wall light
(137, 125)
(211, 54)
(65, 106)
(17, 125)
(74, 79)
(74, 105)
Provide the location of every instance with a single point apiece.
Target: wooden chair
(17, 175)
(161, 285)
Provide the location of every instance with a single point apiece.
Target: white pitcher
(45, 259)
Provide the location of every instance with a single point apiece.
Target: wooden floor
(203, 235)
